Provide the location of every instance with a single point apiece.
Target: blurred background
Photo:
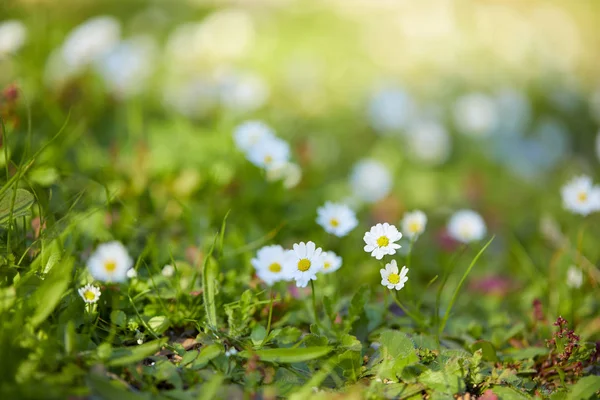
(489, 105)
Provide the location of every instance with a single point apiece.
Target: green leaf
(106, 389)
(585, 388)
(23, 200)
(289, 355)
(258, 334)
(207, 353)
(118, 318)
(209, 279)
(7, 298)
(130, 355)
(189, 357)
(506, 392)
(48, 295)
(526, 353)
(488, 350)
(398, 344)
(209, 389)
(159, 324)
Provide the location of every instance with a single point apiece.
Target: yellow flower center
(110, 266)
(414, 227)
(582, 196)
(334, 222)
(326, 265)
(268, 159)
(303, 265)
(394, 278)
(383, 241)
(275, 267)
(89, 295)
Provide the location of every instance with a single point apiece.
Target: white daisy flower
(89, 293)
(380, 240)
(413, 223)
(331, 262)
(371, 181)
(337, 219)
(390, 110)
(476, 115)
(269, 153)
(131, 273)
(89, 41)
(429, 142)
(466, 226)
(110, 262)
(290, 173)
(243, 92)
(307, 261)
(13, 34)
(271, 264)
(580, 196)
(168, 271)
(390, 277)
(574, 277)
(232, 351)
(251, 133)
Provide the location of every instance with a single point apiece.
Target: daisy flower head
(574, 277)
(269, 153)
(307, 261)
(380, 240)
(288, 172)
(371, 181)
(580, 196)
(337, 219)
(331, 262)
(391, 278)
(168, 271)
(271, 264)
(251, 133)
(110, 262)
(413, 223)
(89, 293)
(466, 226)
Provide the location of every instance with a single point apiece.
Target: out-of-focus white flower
(243, 92)
(337, 219)
(290, 173)
(110, 262)
(580, 196)
(332, 262)
(269, 153)
(390, 110)
(371, 181)
(308, 260)
(168, 271)
(391, 278)
(232, 351)
(273, 264)
(466, 226)
(131, 273)
(127, 68)
(251, 133)
(89, 41)
(380, 240)
(476, 115)
(89, 293)
(413, 223)
(429, 142)
(13, 35)
(574, 277)
(191, 98)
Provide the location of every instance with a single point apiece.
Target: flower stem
(314, 303)
(414, 317)
(270, 312)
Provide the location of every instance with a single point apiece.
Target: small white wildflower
(140, 341)
(269, 153)
(307, 261)
(131, 273)
(110, 262)
(580, 196)
(271, 264)
(413, 223)
(232, 351)
(243, 92)
(466, 226)
(476, 114)
(89, 293)
(380, 240)
(13, 34)
(429, 142)
(331, 262)
(337, 219)
(391, 278)
(89, 41)
(290, 173)
(168, 271)
(371, 181)
(390, 110)
(574, 277)
(251, 133)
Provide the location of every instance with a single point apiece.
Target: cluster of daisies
(581, 196)
(267, 151)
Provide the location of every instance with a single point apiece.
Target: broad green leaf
(289, 355)
(106, 389)
(206, 354)
(258, 334)
(585, 388)
(488, 350)
(209, 389)
(130, 355)
(118, 318)
(159, 324)
(7, 298)
(506, 392)
(23, 200)
(443, 382)
(209, 279)
(526, 353)
(188, 357)
(398, 344)
(48, 295)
